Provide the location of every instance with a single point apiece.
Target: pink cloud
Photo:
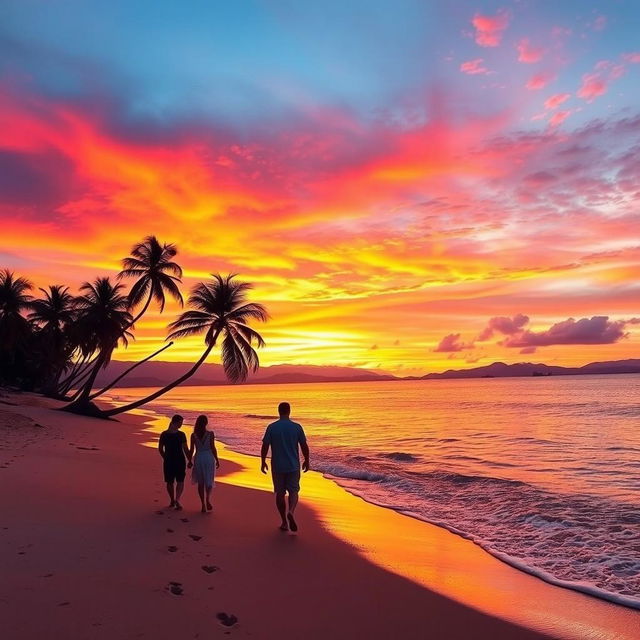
(528, 53)
(489, 29)
(473, 67)
(599, 23)
(595, 330)
(539, 80)
(556, 100)
(451, 344)
(504, 325)
(559, 117)
(633, 57)
(596, 83)
(593, 86)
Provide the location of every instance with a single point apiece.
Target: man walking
(284, 437)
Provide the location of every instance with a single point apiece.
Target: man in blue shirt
(284, 437)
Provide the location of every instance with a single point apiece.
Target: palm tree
(55, 311)
(53, 315)
(14, 301)
(219, 310)
(15, 329)
(103, 320)
(151, 263)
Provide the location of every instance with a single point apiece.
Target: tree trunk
(160, 392)
(79, 380)
(74, 368)
(78, 373)
(144, 310)
(93, 396)
(83, 404)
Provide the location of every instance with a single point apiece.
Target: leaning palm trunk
(161, 392)
(79, 379)
(143, 311)
(78, 369)
(112, 384)
(82, 403)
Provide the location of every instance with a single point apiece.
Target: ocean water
(543, 473)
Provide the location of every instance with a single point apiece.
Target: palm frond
(233, 360)
(252, 310)
(249, 334)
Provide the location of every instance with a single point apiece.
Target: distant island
(529, 369)
(153, 374)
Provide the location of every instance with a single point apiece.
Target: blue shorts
(288, 481)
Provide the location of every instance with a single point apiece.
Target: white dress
(204, 467)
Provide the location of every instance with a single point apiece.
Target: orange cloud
(342, 224)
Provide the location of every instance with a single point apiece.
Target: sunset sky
(411, 185)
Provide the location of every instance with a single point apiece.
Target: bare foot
(292, 523)
(284, 527)
(178, 506)
(209, 506)
(203, 510)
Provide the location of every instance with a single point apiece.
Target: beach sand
(90, 551)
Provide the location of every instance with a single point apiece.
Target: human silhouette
(285, 438)
(173, 449)
(205, 462)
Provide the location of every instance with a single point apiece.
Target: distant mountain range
(526, 369)
(156, 374)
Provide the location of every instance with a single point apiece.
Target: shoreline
(416, 572)
(167, 408)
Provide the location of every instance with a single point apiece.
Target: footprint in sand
(209, 568)
(176, 588)
(172, 549)
(169, 530)
(227, 619)
(64, 604)
(184, 519)
(159, 513)
(195, 538)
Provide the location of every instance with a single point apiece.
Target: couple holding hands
(175, 452)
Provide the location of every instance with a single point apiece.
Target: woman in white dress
(205, 462)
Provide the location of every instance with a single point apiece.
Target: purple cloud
(504, 325)
(451, 344)
(595, 330)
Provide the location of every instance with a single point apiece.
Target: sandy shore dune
(88, 551)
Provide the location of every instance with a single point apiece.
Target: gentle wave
(557, 538)
(400, 456)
